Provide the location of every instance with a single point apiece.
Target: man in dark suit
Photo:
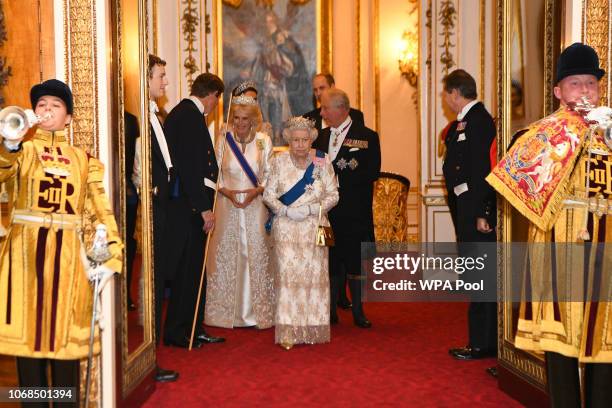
(161, 176)
(190, 208)
(355, 153)
(471, 199)
(320, 83)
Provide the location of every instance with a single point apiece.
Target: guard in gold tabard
(45, 293)
(558, 174)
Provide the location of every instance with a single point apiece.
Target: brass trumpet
(15, 122)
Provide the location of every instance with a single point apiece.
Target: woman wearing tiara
(240, 289)
(300, 191)
(249, 88)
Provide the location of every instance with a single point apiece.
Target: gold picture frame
(136, 365)
(522, 374)
(323, 43)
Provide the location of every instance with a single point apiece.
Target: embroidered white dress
(239, 290)
(301, 267)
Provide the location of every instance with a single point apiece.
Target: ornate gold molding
(390, 207)
(81, 71)
(447, 16)
(529, 369)
(154, 25)
(549, 54)
(482, 40)
(596, 26)
(207, 31)
(435, 201)
(80, 62)
(5, 70)
(190, 21)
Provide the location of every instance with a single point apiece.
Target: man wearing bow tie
(355, 152)
(190, 208)
(471, 200)
(162, 175)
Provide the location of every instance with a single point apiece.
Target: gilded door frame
(528, 367)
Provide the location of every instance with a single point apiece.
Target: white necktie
(159, 133)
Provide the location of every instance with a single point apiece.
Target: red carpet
(402, 361)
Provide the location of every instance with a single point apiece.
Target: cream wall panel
(469, 42)
(344, 51)
(399, 128)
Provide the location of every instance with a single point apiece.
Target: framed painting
(279, 45)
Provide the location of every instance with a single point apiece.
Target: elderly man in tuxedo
(190, 208)
(320, 83)
(355, 153)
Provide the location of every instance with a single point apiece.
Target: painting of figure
(272, 43)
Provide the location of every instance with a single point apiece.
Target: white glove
(313, 209)
(602, 115)
(12, 145)
(102, 273)
(298, 213)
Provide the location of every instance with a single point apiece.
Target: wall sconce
(409, 58)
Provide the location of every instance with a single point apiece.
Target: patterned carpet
(402, 361)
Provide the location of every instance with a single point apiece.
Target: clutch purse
(325, 235)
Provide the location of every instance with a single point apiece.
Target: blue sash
(297, 190)
(241, 159)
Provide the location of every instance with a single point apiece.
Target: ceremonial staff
(220, 161)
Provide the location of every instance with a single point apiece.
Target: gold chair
(390, 208)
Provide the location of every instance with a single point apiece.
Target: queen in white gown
(302, 279)
(239, 290)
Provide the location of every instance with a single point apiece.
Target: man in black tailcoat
(471, 199)
(161, 176)
(355, 152)
(190, 208)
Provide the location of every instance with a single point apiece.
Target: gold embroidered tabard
(45, 296)
(535, 173)
(577, 322)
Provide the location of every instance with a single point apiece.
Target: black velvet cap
(52, 87)
(578, 59)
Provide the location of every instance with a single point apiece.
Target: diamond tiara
(243, 86)
(299, 122)
(244, 101)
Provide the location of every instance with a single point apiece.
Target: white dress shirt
(207, 182)
(159, 134)
(198, 103)
(466, 109)
(336, 137)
